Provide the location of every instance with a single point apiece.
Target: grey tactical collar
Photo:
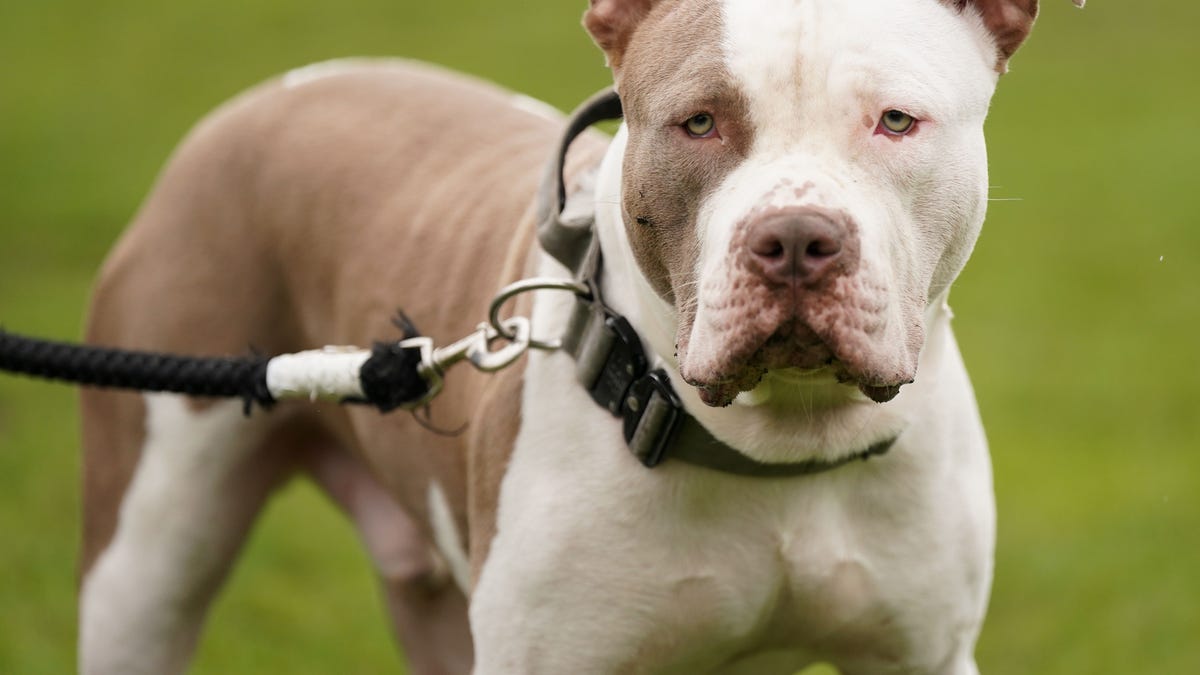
(610, 361)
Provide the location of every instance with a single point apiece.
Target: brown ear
(611, 23)
(1009, 21)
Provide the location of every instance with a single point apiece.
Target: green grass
(1078, 314)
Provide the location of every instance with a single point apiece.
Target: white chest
(679, 569)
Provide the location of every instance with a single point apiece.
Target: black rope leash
(390, 377)
(89, 365)
(406, 373)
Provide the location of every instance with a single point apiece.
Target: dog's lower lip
(714, 397)
(879, 393)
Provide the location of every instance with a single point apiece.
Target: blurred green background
(1077, 316)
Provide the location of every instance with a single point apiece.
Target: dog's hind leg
(427, 606)
(202, 477)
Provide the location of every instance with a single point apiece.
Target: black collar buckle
(611, 364)
(652, 415)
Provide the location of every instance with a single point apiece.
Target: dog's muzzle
(793, 296)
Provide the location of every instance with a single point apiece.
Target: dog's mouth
(794, 351)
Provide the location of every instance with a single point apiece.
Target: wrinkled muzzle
(795, 292)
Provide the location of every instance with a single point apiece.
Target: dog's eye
(700, 126)
(897, 122)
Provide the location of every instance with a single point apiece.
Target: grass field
(1078, 315)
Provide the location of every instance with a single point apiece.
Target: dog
(780, 216)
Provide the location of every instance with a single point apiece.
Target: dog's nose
(795, 246)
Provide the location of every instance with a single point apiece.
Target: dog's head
(802, 179)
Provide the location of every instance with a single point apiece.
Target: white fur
(660, 548)
(920, 57)
(602, 566)
(447, 538)
(143, 602)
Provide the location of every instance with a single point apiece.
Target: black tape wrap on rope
(391, 377)
(225, 377)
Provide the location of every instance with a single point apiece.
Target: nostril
(772, 248)
(823, 248)
(770, 242)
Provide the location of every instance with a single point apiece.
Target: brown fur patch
(298, 217)
(676, 72)
(612, 23)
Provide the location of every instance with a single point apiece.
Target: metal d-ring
(526, 286)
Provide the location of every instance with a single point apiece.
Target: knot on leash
(391, 377)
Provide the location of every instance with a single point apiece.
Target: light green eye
(897, 122)
(700, 125)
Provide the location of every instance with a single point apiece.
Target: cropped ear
(1009, 21)
(611, 23)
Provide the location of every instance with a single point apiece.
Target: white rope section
(328, 373)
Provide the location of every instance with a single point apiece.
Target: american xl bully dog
(779, 218)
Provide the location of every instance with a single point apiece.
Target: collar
(609, 359)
